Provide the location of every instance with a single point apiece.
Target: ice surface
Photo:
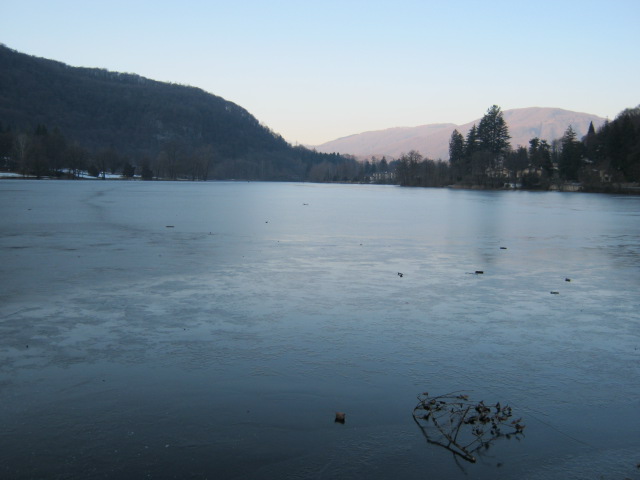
(214, 329)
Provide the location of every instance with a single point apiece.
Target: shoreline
(625, 189)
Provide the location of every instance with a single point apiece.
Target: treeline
(40, 153)
(603, 160)
(46, 152)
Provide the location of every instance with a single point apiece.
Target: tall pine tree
(571, 155)
(456, 156)
(493, 133)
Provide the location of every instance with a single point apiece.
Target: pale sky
(314, 71)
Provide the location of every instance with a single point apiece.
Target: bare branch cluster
(464, 426)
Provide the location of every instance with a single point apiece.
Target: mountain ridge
(432, 140)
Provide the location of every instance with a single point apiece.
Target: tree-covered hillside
(113, 119)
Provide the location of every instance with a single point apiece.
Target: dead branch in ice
(464, 426)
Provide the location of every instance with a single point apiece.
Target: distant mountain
(141, 119)
(433, 140)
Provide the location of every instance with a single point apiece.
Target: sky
(314, 71)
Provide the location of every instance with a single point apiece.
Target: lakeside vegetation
(604, 160)
(57, 121)
(607, 159)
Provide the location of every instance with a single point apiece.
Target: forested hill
(172, 127)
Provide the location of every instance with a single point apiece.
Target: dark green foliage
(571, 156)
(493, 133)
(472, 144)
(493, 139)
(590, 142)
(128, 170)
(540, 155)
(613, 152)
(620, 146)
(457, 158)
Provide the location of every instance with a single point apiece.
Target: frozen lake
(212, 330)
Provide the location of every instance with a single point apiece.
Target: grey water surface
(212, 330)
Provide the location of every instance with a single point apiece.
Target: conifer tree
(493, 133)
(590, 142)
(571, 155)
(471, 144)
(456, 155)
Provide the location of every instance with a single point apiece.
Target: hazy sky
(317, 70)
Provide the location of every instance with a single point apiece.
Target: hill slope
(433, 140)
(139, 118)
